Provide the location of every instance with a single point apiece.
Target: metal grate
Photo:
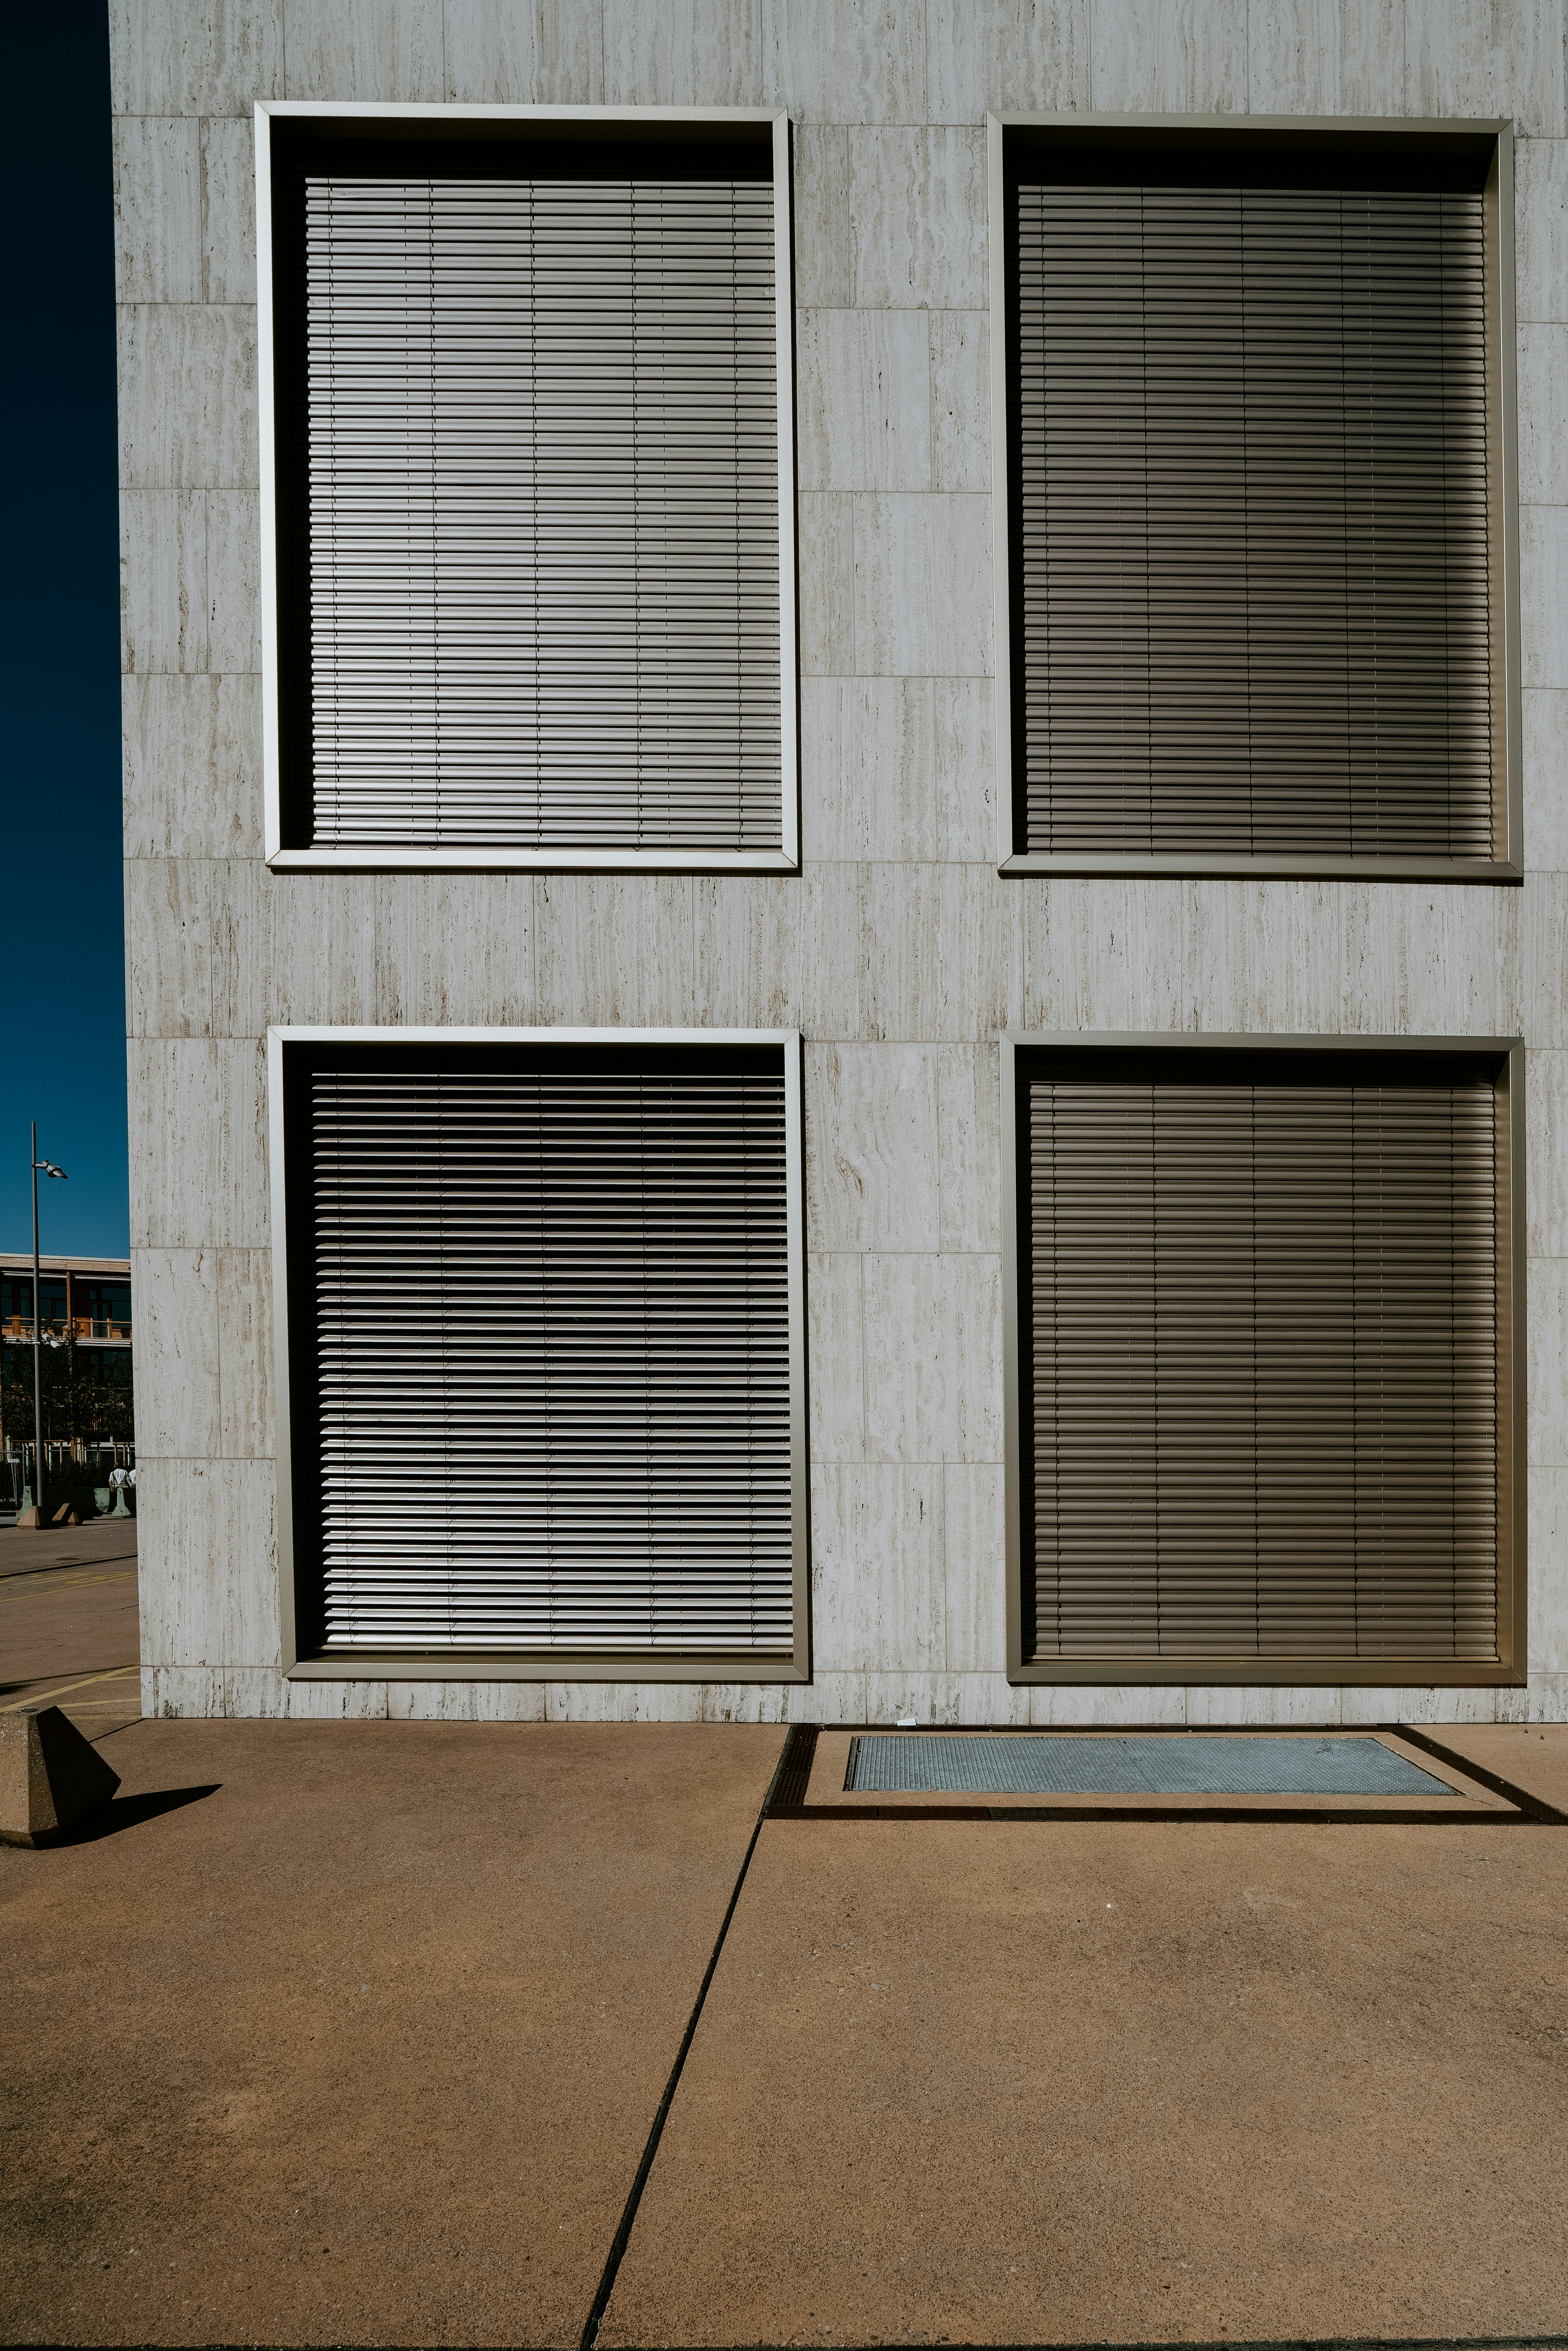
(1134, 1764)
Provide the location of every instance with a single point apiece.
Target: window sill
(377, 860)
(1273, 869)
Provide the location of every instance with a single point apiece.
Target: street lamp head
(47, 1168)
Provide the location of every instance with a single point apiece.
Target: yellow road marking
(38, 1697)
(70, 1584)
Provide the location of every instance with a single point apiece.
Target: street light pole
(48, 1168)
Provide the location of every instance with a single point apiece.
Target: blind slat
(543, 543)
(551, 1358)
(1261, 1407)
(1251, 475)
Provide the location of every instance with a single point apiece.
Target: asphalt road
(68, 1622)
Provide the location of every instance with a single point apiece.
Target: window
(528, 481)
(1265, 1374)
(541, 1353)
(1254, 437)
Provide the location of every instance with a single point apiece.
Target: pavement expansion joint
(622, 2236)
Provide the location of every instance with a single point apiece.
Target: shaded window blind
(547, 1312)
(1262, 1367)
(542, 451)
(1250, 533)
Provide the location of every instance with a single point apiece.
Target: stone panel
(1547, 1314)
(835, 1307)
(824, 250)
(157, 209)
(827, 64)
(868, 768)
(490, 52)
(228, 211)
(970, 1144)
(1542, 443)
(933, 1358)
(863, 400)
(1170, 56)
(917, 200)
(205, 438)
(974, 1553)
(382, 50)
(870, 1147)
(177, 1401)
(168, 938)
(162, 582)
(1014, 54)
(960, 400)
(826, 565)
(877, 1576)
(191, 754)
(1326, 57)
(683, 53)
(194, 57)
(1488, 57)
(245, 1353)
(1546, 1153)
(1544, 595)
(232, 541)
(1541, 229)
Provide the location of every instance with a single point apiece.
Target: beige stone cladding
(900, 951)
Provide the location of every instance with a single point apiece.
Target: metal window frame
(543, 1665)
(1508, 1670)
(285, 857)
(1507, 791)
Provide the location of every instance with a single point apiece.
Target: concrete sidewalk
(1035, 2083)
(357, 2032)
(354, 2032)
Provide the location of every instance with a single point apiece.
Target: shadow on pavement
(128, 1812)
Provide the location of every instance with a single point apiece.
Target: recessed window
(1265, 1415)
(541, 1354)
(530, 432)
(1256, 394)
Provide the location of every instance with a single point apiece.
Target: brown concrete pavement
(1532, 1755)
(364, 2046)
(68, 1622)
(1038, 2083)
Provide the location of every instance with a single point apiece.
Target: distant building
(85, 1322)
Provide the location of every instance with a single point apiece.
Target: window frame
(546, 1665)
(1506, 863)
(431, 120)
(1019, 1050)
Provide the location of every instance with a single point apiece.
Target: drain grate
(1046, 1764)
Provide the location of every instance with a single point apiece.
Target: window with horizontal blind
(542, 1353)
(529, 411)
(1265, 1374)
(1255, 442)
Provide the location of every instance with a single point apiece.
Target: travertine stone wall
(900, 952)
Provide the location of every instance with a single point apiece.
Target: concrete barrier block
(50, 1777)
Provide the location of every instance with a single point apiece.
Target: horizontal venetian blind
(1262, 1417)
(1251, 481)
(551, 1357)
(544, 558)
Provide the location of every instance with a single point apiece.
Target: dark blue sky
(59, 658)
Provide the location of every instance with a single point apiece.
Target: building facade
(970, 866)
